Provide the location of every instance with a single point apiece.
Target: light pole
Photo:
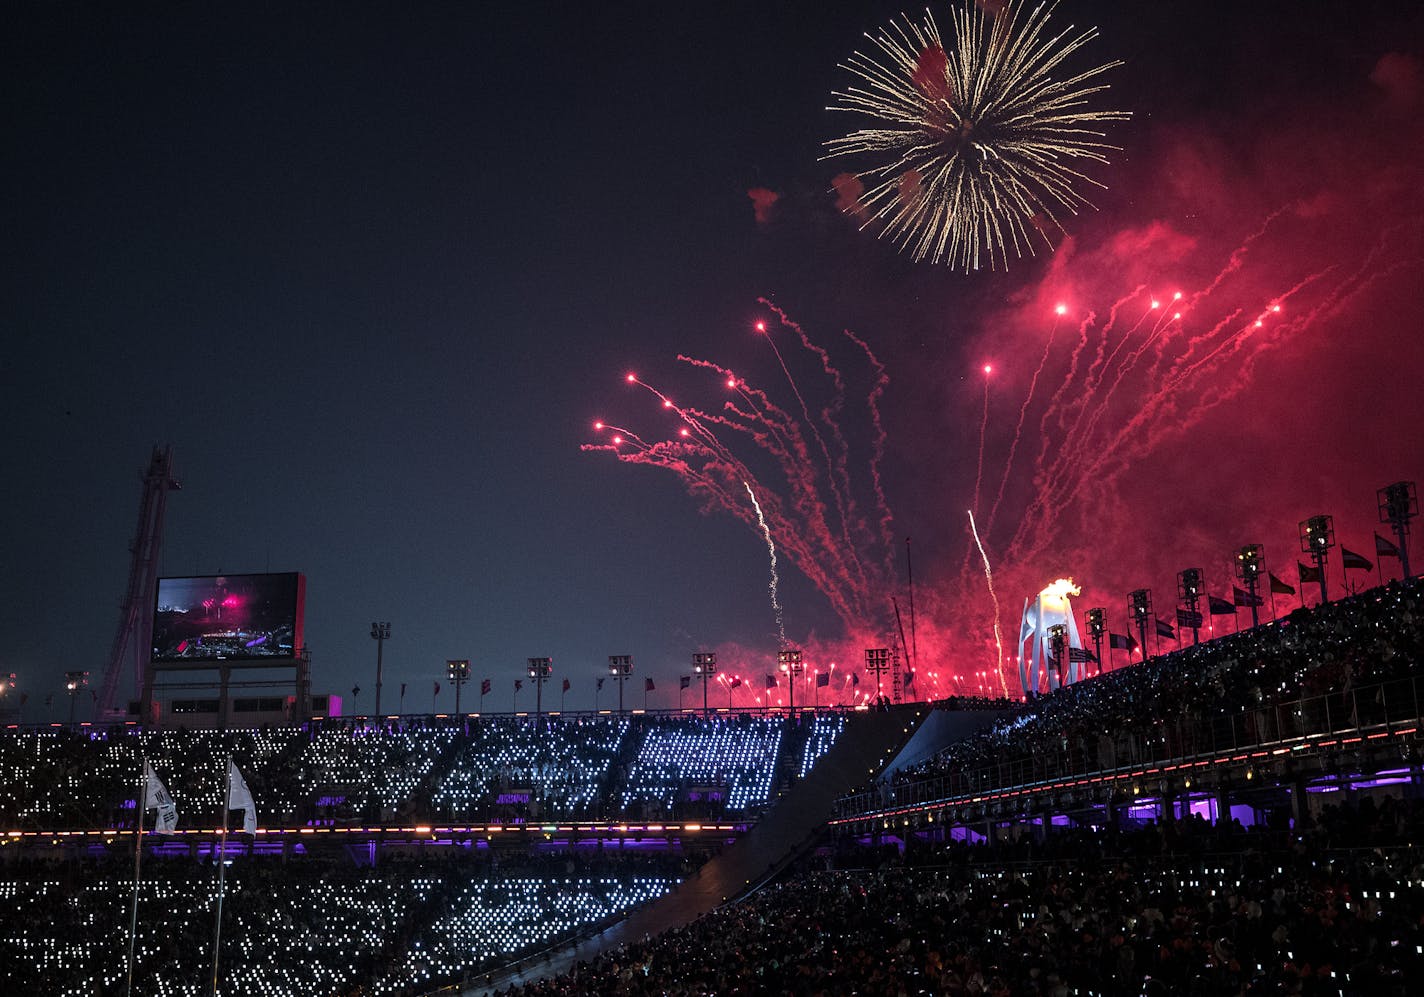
(789, 662)
(380, 633)
(1398, 504)
(73, 683)
(704, 663)
(1139, 608)
(620, 666)
(877, 662)
(1058, 647)
(457, 671)
(539, 670)
(1189, 589)
(1248, 569)
(1097, 626)
(1317, 536)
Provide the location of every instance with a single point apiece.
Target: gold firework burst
(978, 141)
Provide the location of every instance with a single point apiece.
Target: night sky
(374, 272)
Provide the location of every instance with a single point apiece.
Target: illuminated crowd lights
(564, 765)
(975, 142)
(329, 926)
(738, 755)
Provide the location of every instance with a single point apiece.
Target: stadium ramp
(871, 742)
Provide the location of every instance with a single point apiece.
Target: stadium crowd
(339, 773)
(1176, 908)
(313, 924)
(1341, 664)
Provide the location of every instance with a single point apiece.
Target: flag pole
(138, 859)
(222, 875)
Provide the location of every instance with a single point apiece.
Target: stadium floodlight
(877, 662)
(1139, 609)
(74, 683)
(789, 661)
(1189, 591)
(1058, 646)
(620, 666)
(457, 670)
(1317, 536)
(704, 664)
(539, 670)
(1398, 504)
(380, 633)
(1250, 562)
(1097, 627)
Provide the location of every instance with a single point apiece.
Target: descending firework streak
(976, 142)
(788, 472)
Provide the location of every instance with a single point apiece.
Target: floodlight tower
(789, 661)
(620, 666)
(704, 663)
(539, 670)
(1097, 626)
(74, 683)
(1139, 608)
(1058, 647)
(380, 633)
(1249, 565)
(1398, 504)
(1189, 590)
(457, 671)
(877, 662)
(1317, 536)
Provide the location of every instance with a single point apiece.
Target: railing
(1387, 706)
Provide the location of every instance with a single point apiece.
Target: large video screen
(231, 617)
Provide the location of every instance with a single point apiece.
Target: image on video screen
(226, 617)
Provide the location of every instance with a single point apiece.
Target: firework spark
(808, 500)
(977, 141)
(998, 631)
(775, 582)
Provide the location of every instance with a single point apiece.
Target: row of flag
(822, 679)
(156, 797)
(1241, 599)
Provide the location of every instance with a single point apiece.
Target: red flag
(1220, 607)
(518, 684)
(437, 688)
(566, 685)
(1307, 574)
(736, 683)
(1279, 587)
(1383, 548)
(485, 687)
(771, 681)
(823, 679)
(1352, 560)
(648, 685)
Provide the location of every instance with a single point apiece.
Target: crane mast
(133, 639)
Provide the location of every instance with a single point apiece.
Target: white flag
(156, 797)
(240, 798)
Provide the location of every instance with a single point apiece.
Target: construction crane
(134, 636)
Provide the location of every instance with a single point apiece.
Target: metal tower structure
(133, 639)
